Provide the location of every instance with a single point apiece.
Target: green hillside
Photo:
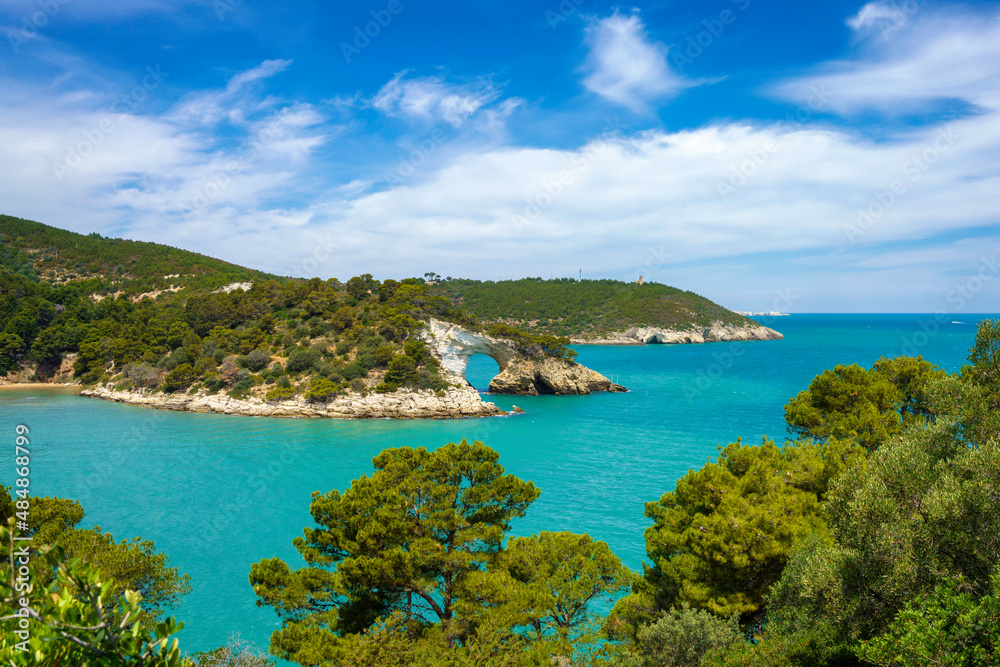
(97, 310)
(568, 307)
(41, 252)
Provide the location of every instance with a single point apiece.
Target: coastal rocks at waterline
(456, 402)
(519, 374)
(531, 377)
(716, 333)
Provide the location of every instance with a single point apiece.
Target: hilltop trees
(567, 307)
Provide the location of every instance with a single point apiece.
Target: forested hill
(56, 256)
(569, 307)
(144, 316)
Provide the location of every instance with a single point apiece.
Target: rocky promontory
(717, 332)
(530, 377)
(455, 402)
(451, 345)
(520, 374)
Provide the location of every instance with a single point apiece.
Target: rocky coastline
(716, 333)
(550, 376)
(451, 344)
(453, 403)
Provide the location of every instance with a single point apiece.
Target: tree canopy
(414, 556)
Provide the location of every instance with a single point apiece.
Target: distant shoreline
(35, 385)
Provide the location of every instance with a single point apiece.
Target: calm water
(218, 493)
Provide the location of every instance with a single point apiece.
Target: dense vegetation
(57, 256)
(268, 338)
(570, 307)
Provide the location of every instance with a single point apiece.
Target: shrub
(402, 370)
(179, 378)
(321, 391)
(142, 375)
(355, 370)
(280, 393)
(383, 355)
(342, 319)
(418, 351)
(255, 361)
(681, 638)
(176, 358)
(242, 386)
(302, 359)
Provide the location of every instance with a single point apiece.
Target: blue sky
(805, 157)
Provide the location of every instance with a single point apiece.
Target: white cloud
(234, 103)
(265, 70)
(928, 57)
(160, 176)
(625, 67)
(432, 98)
(877, 14)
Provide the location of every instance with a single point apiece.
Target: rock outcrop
(519, 375)
(531, 377)
(456, 402)
(450, 343)
(716, 333)
(453, 346)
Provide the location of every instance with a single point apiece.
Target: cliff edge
(520, 374)
(716, 333)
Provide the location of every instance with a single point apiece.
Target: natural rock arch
(518, 374)
(453, 345)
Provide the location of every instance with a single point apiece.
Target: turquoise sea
(218, 493)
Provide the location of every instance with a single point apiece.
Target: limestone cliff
(402, 404)
(531, 377)
(450, 343)
(519, 374)
(718, 332)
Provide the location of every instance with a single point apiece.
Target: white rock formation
(403, 404)
(453, 345)
(518, 374)
(718, 332)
